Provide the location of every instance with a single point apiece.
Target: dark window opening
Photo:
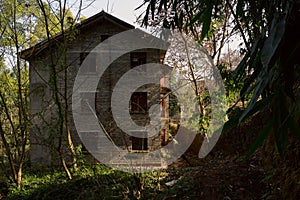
(140, 143)
(137, 58)
(138, 102)
(104, 37)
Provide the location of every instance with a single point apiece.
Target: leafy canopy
(269, 71)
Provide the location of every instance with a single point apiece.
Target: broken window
(138, 102)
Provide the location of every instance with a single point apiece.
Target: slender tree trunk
(56, 94)
(8, 153)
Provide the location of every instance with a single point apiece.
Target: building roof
(27, 53)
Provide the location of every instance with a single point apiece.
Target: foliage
(28, 22)
(269, 71)
(232, 87)
(89, 182)
(58, 132)
(14, 120)
(22, 25)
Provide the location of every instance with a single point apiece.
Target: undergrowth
(95, 182)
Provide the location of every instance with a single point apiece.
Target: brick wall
(44, 110)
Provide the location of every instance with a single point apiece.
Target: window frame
(139, 108)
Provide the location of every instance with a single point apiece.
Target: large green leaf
(145, 20)
(272, 42)
(281, 137)
(250, 56)
(196, 17)
(260, 85)
(152, 7)
(249, 81)
(232, 122)
(140, 6)
(259, 106)
(161, 4)
(206, 20)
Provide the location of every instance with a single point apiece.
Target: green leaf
(259, 140)
(259, 106)
(206, 20)
(250, 55)
(195, 18)
(260, 85)
(161, 3)
(140, 6)
(145, 20)
(239, 8)
(152, 7)
(281, 119)
(248, 84)
(174, 7)
(232, 122)
(272, 42)
(240, 70)
(181, 19)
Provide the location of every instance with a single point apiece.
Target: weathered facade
(54, 65)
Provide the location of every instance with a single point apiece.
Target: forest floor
(225, 173)
(221, 176)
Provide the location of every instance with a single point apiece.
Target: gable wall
(41, 100)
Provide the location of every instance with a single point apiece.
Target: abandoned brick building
(76, 47)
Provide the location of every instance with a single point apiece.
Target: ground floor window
(140, 143)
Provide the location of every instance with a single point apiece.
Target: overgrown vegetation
(267, 79)
(91, 182)
(22, 25)
(269, 74)
(263, 88)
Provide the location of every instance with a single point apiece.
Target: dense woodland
(257, 156)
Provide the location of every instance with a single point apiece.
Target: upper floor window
(137, 58)
(104, 37)
(138, 102)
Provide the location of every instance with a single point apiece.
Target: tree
(22, 25)
(14, 120)
(270, 72)
(58, 69)
(218, 31)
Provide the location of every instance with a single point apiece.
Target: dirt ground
(220, 176)
(225, 173)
